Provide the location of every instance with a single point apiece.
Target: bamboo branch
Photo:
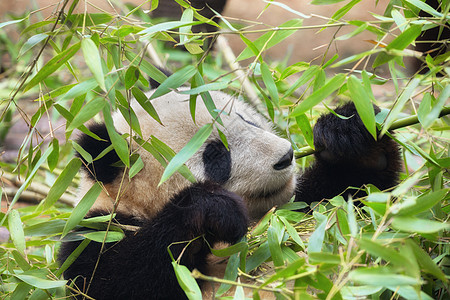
(400, 123)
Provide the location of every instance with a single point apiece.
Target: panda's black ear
(102, 169)
(153, 83)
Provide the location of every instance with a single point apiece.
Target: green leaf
(258, 257)
(52, 65)
(145, 103)
(399, 104)
(174, 81)
(80, 211)
(385, 252)
(53, 158)
(131, 76)
(274, 247)
(148, 32)
(146, 67)
(91, 19)
(16, 231)
(73, 256)
(136, 167)
(3, 24)
(215, 86)
(119, 143)
(187, 282)
(381, 276)
(316, 97)
(399, 43)
(425, 261)
(233, 249)
(355, 32)
(306, 76)
(86, 156)
(281, 32)
(231, 273)
(93, 61)
(191, 147)
(433, 115)
(187, 16)
(270, 83)
(79, 89)
(292, 232)
(416, 225)
(38, 282)
(316, 239)
(427, 8)
(344, 10)
(363, 104)
(87, 112)
(421, 204)
(99, 236)
(31, 42)
(324, 258)
(61, 184)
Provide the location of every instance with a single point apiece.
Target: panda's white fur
(255, 150)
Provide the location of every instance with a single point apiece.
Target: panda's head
(258, 164)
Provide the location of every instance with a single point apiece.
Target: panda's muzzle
(285, 161)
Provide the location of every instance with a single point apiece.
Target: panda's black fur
(139, 266)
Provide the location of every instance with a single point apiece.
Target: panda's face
(258, 164)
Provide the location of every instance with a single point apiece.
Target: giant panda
(235, 185)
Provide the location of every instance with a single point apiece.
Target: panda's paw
(214, 212)
(226, 218)
(346, 140)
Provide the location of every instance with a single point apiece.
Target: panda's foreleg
(139, 266)
(347, 156)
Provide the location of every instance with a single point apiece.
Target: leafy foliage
(389, 244)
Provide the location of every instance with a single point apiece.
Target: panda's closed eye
(247, 121)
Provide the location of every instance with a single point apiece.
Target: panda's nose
(285, 161)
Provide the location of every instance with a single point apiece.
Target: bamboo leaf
(416, 225)
(61, 184)
(332, 85)
(93, 61)
(31, 42)
(119, 143)
(316, 239)
(399, 43)
(187, 282)
(53, 158)
(131, 76)
(363, 104)
(136, 167)
(145, 103)
(80, 211)
(381, 276)
(52, 65)
(281, 32)
(174, 81)
(399, 104)
(38, 282)
(270, 83)
(87, 112)
(191, 147)
(99, 236)
(16, 231)
(425, 261)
